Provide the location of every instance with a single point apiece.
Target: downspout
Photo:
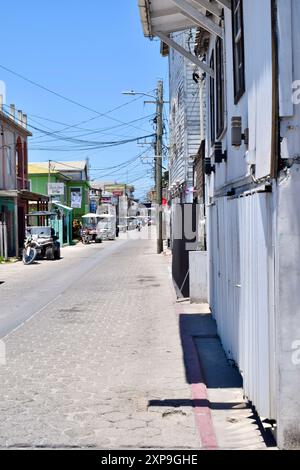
(275, 167)
(275, 147)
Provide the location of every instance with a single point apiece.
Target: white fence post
(3, 241)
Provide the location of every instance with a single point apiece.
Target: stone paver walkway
(112, 361)
(86, 370)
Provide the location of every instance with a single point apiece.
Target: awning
(61, 206)
(8, 193)
(169, 16)
(162, 17)
(92, 216)
(29, 196)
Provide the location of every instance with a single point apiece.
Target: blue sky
(89, 52)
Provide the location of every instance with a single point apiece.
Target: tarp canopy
(91, 216)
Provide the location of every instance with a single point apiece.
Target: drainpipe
(276, 150)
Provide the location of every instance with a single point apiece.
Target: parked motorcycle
(29, 251)
(86, 236)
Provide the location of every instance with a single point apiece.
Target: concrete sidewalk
(230, 422)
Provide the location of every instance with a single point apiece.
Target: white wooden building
(252, 66)
(184, 120)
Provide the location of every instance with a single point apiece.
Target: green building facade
(39, 179)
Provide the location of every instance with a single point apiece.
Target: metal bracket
(198, 18)
(225, 3)
(167, 40)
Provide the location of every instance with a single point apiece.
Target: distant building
(77, 185)
(53, 183)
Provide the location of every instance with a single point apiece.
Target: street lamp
(159, 101)
(134, 93)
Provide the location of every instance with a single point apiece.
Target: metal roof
(59, 166)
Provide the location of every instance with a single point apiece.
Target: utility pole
(158, 161)
(159, 101)
(49, 181)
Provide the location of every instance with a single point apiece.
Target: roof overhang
(169, 16)
(30, 196)
(160, 18)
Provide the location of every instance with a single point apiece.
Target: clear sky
(88, 51)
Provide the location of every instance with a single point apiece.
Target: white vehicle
(106, 226)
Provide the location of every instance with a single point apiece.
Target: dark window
(220, 87)
(212, 102)
(238, 49)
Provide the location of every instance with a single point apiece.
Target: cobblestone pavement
(95, 366)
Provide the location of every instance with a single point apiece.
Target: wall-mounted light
(219, 155)
(208, 167)
(237, 136)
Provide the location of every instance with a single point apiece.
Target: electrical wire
(65, 98)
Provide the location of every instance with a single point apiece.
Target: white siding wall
(241, 290)
(255, 107)
(288, 12)
(240, 240)
(184, 114)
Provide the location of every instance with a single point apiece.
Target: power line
(95, 131)
(93, 144)
(70, 100)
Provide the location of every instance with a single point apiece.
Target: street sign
(56, 189)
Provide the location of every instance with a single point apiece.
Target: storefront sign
(76, 198)
(56, 189)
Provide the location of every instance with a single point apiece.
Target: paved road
(28, 289)
(95, 366)
(100, 361)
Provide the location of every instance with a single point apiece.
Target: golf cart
(41, 234)
(89, 230)
(106, 227)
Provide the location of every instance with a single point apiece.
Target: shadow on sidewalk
(206, 365)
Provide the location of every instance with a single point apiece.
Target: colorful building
(69, 189)
(53, 183)
(15, 191)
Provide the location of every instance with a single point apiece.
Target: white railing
(3, 241)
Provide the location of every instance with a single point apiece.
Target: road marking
(31, 317)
